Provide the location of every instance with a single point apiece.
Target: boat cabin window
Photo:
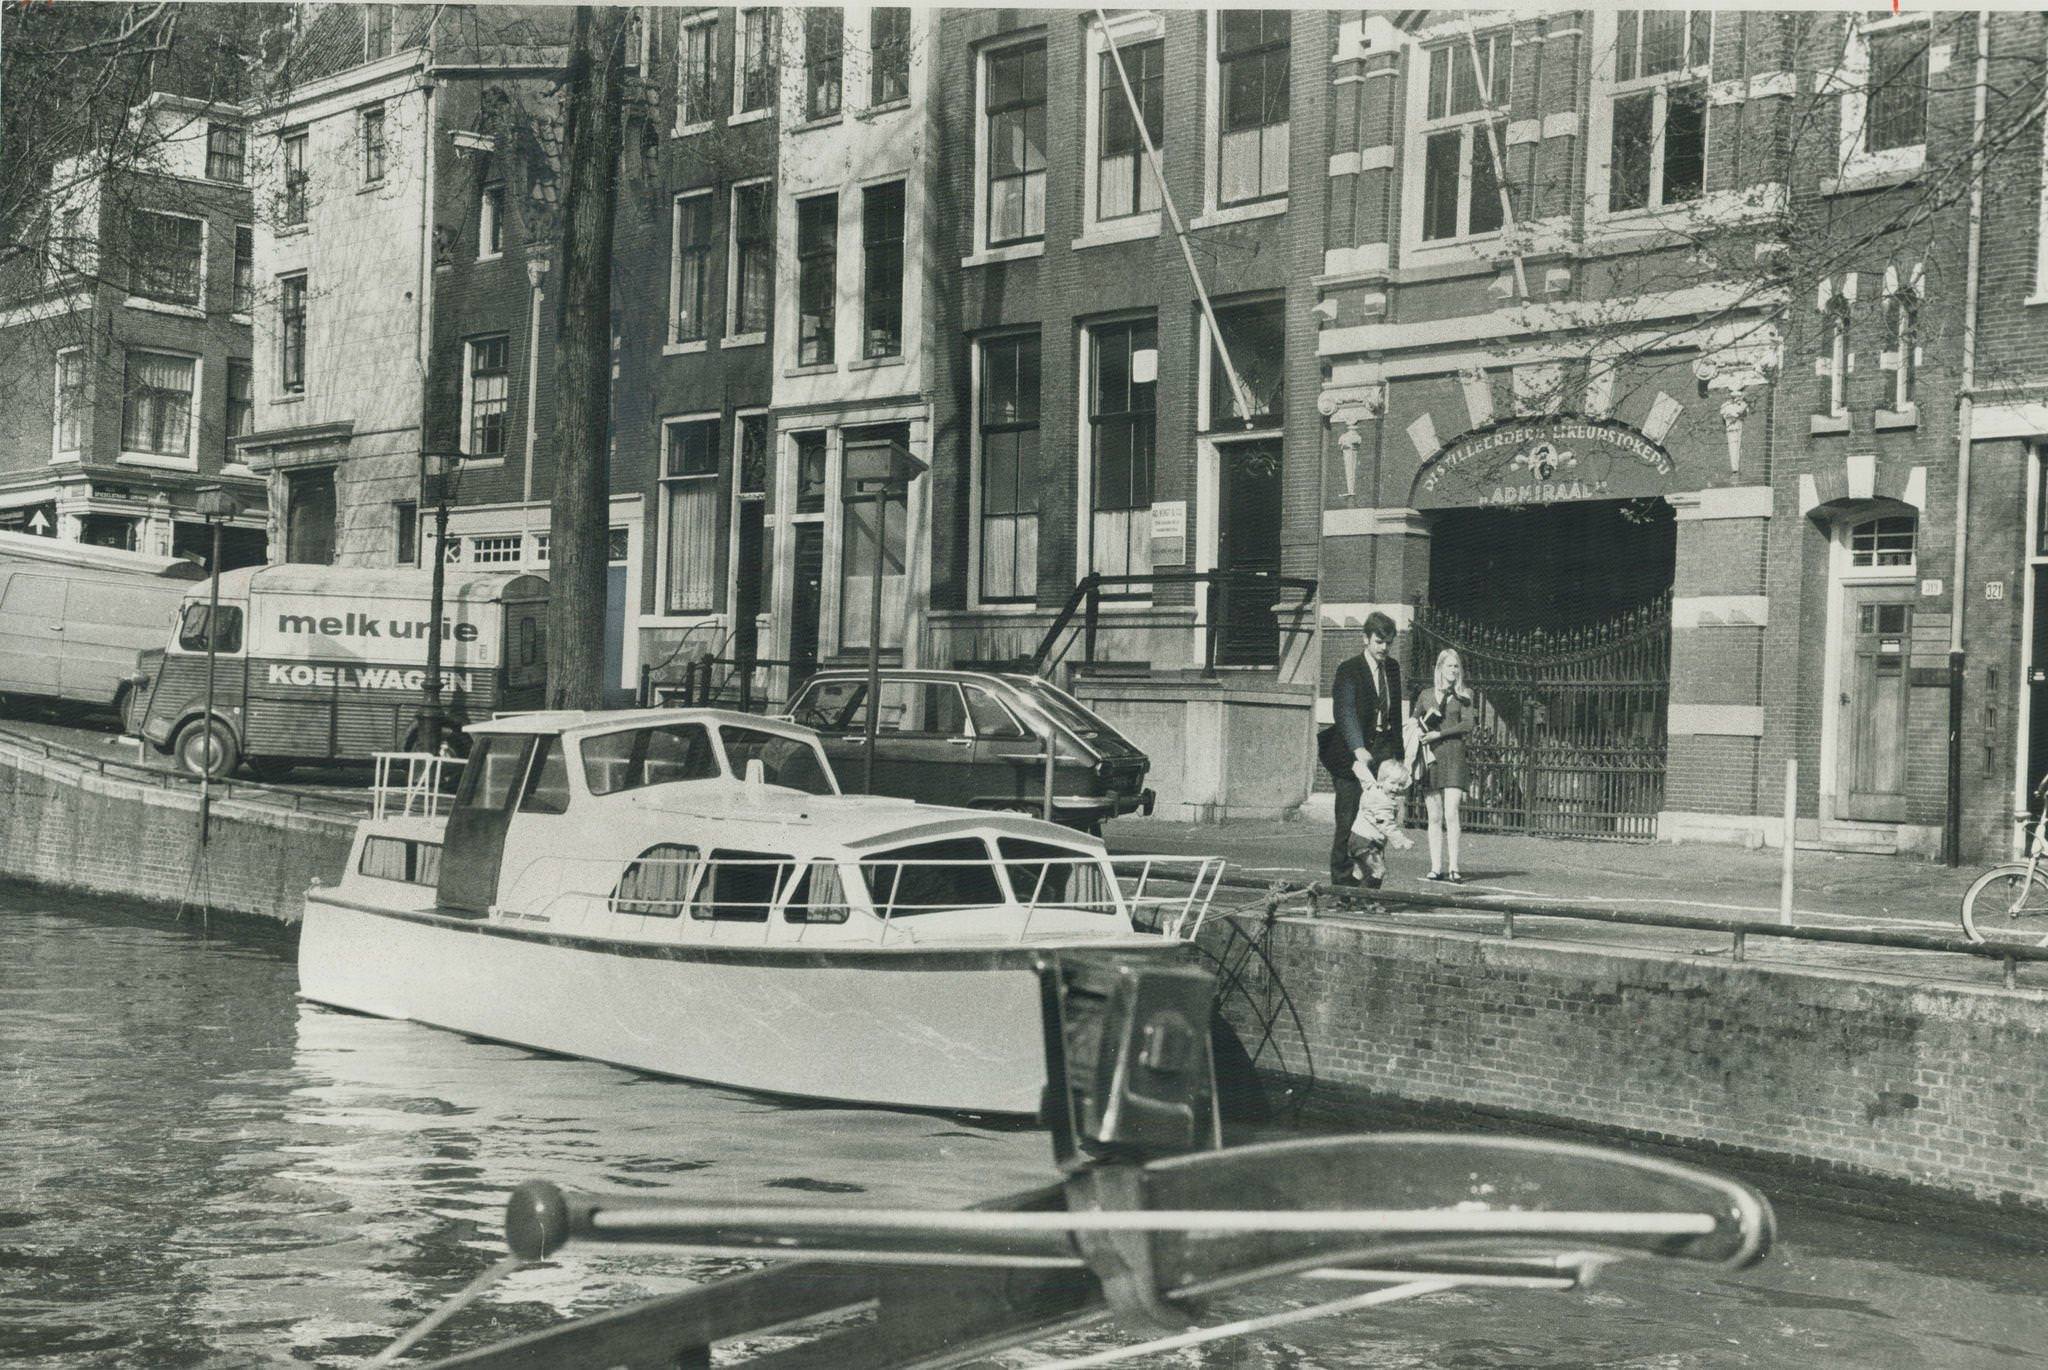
(952, 874)
(632, 760)
(818, 897)
(192, 629)
(741, 886)
(794, 762)
(547, 788)
(657, 884)
(401, 858)
(1043, 873)
(492, 775)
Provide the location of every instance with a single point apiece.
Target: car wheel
(207, 747)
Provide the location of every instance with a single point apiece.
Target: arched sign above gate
(1547, 460)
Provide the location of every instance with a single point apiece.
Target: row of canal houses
(1665, 426)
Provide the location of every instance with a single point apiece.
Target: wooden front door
(1870, 777)
(1248, 540)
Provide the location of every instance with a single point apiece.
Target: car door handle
(56, 627)
(960, 742)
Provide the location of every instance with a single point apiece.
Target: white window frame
(207, 157)
(976, 359)
(664, 483)
(1472, 125)
(243, 315)
(490, 221)
(675, 343)
(305, 335)
(1607, 92)
(488, 549)
(165, 460)
(469, 346)
(1084, 446)
(1214, 211)
(733, 336)
(705, 22)
(302, 136)
(739, 114)
(364, 117)
(1837, 320)
(1904, 301)
(1852, 84)
(904, 267)
(983, 251)
(1852, 574)
(188, 311)
(1139, 26)
(58, 451)
(766, 499)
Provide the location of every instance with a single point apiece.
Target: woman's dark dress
(1447, 770)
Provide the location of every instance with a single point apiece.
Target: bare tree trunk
(580, 526)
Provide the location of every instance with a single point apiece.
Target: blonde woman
(1444, 713)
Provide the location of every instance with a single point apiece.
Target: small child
(1378, 824)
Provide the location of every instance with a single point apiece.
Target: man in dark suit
(1365, 708)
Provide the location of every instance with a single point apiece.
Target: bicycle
(2012, 891)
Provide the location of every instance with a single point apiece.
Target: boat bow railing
(413, 784)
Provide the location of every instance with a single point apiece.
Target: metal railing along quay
(1739, 930)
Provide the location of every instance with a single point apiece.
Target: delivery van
(73, 616)
(326, 663)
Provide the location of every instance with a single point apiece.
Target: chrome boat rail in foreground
(1151, 1218)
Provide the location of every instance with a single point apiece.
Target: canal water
(196, 1170)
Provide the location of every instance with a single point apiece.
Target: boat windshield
(640, 757)
(955, 873)
(794, 762)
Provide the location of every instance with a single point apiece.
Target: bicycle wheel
(2008, 904)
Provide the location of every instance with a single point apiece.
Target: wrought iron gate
(1571, 735)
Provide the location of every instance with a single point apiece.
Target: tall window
(373, 144)
(810, 472)
(245, 269)
(1123, 375)
(1014, 107)
(1257, 337)
(870, 517)
(690, 293)
(241, 404)
(881, 237)
(291, 334)
(488, 381)
(1659, 152)
(1460, 180)
(1124, 183)
(1896, 110)
(695, 56)
(1902, 324)
(754, 60)
(1836, 325)
(817, 268)
(490, 220)
(1252, 50)
(753, 239)
(156, 410)
(169, 253)
(70, 399)
(406, 514)
(293, 146)
(1008, 427)
(888, 54)
(690, 489)
(824, 33)
(225, 156)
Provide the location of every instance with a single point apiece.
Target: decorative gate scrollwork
(1572, 727)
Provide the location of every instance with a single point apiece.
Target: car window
(832, 705)
(992, 718)
(1067, 710)
(547, 789)
(794, 762)
(634, 759)
(192, 630)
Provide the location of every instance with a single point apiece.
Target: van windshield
(192, 632)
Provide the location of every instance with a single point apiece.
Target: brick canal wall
(74, 827)
(1864, 1078)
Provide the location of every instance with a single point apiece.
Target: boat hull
(948, 1029)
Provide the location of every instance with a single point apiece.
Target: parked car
(975, 738)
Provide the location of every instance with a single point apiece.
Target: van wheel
(207, 747)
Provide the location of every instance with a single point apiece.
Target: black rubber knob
(536, 1220)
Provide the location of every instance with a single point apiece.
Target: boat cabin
(708, 826)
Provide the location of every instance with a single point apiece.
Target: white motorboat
(686, 892)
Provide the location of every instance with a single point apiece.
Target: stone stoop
(1863, 839)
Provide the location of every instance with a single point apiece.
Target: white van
(73, 616)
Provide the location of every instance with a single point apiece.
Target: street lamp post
(437, 473)
(882, 467)
(216, 506)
